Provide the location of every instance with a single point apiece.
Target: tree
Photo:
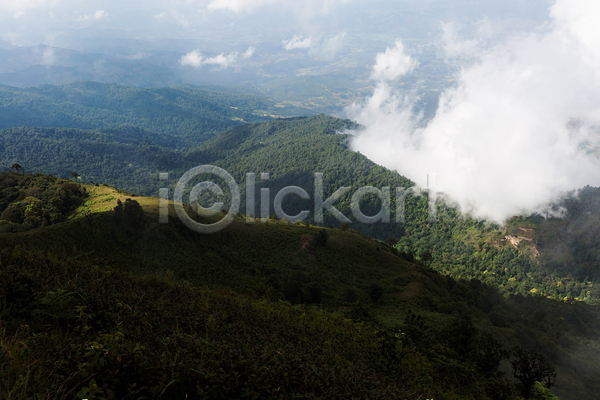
(321, 238)
(17, 167)
(530, 367)
(426, 257)
(461, 334)
(390, 241)
(129, 214)
(489, 353)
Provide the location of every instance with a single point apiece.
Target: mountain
(290, 150)
(25, 66)
(114, 291)
(554, 256)
(526, 256)
(188, 114)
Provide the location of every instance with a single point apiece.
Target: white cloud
(297, 42)
(329, 49)
(221, 61)
(508, 138)
(19, 14)
(392, 64)
(454, 46)
(180, 19)
(324, 50)
(159, 16)
(192, 58)
(249, 52)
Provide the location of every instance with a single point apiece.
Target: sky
(29, 22)
(47, 21)
(517, 120)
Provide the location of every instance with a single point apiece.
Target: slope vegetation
(185, 113)
(273, 310)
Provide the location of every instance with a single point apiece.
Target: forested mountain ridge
(129, 269)
(551, 256)
(188, 114)
(291, 151)
(127, 156)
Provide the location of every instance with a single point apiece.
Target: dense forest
(182, 115)
(346, 316)
(552, 256)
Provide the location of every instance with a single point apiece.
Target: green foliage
(175, 115)
(544, 393)
(292, 151)
(554, 257)
(32, 201)
(442, 350)
(529, 368)
(150, 337)
(125, 136)
(461, 336)
(281, 261)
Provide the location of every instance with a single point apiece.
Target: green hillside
(291, 151)
(124, 156)
(182, 115)
(109, 279)
(555, 256)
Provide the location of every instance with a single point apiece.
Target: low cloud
(455, 45)
(297, 42)
(219, 62)
(248, 53)
(518, 129)
(49, 56)
(319, 49)
(192, 58)
(329, 49)
(392, 64)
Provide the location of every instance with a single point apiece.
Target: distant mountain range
(326, 90)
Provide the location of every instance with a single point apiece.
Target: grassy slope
(277, 260)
